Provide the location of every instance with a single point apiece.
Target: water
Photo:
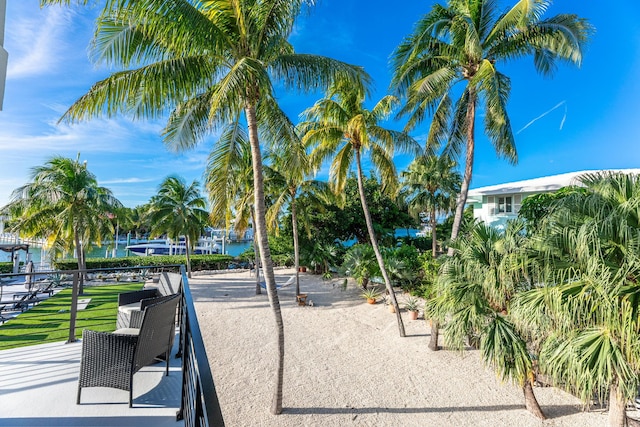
(106, 251)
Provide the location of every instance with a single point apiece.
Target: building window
(505, 205)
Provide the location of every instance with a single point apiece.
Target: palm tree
(287, 180)
(462, 44)
(472, 295)
(229, 182)
(208, 62)
(343, 128)
(178, 210)
(63, 204)
(430, 184)
(587, 309)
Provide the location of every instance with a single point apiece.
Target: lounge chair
(111, 359)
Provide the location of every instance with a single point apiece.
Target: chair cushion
(127, 331)
(128, 308)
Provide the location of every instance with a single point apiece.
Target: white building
(496, 204)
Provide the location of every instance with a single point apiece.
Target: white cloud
(35, 41)
(126, 181)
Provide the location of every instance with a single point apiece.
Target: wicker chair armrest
(135, 321)
(135, 296)
(106, 359)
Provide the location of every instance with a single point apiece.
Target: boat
(204, 246)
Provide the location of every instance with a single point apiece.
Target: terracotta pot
(392, 309)
(371, 300)
(302, 269)
(413, 315)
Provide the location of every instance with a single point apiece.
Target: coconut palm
(588, 308)
(343, 129)
(462, 44)
(472, 295)
(178, 210)
(208, 62)
(288, 178)
(64, 204)
(430, 184)
(229, 182)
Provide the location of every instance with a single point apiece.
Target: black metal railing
(199, 404)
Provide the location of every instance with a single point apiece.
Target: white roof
(539, 185)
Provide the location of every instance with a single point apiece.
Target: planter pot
(371, 300)
(413, 315)
(302, 269)
(392, 309)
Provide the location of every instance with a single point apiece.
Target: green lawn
(49, 320)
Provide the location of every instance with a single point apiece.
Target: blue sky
(580, 119)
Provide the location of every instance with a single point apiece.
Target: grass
(49, 320)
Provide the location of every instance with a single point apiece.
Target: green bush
(198, 262)
(6, 267)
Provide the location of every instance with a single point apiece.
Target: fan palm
(208, 62)
(463, 43)
(178, 210)
(589, 305)
(430, 184)
(472, 294)
(342, 129)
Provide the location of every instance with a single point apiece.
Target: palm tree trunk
(433, 341)
(617, 412)
(265, 253)
(530, 401)
(256, 254)
(376, 249)
(433, 232)
(468, 168)
(296, 247)
(82, 265)
(187, 248)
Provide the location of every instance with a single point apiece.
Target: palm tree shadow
(555, 411)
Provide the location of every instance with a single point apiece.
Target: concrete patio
(38, 387)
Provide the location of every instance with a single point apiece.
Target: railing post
(74, 308)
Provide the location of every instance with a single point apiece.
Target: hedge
(198, 262)
(6, 267)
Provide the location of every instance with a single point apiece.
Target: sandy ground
(345, 364)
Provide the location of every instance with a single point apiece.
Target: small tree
(178, 210)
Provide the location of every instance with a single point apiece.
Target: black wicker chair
(131, 304)
(111, 359)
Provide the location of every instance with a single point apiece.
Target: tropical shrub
(198, 262)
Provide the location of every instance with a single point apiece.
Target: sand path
(345, 364)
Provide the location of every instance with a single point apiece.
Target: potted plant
(392, 308)
(371, 295)
(412, 305)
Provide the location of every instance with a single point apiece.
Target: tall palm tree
(64, 204)
(588, 308)
(430, 184)
(343, 129)
(208, 62)
(229, 182)
(472, 296)
(178, 210)
(288, 178)
(462, 44)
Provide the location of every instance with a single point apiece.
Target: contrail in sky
(545, 113)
